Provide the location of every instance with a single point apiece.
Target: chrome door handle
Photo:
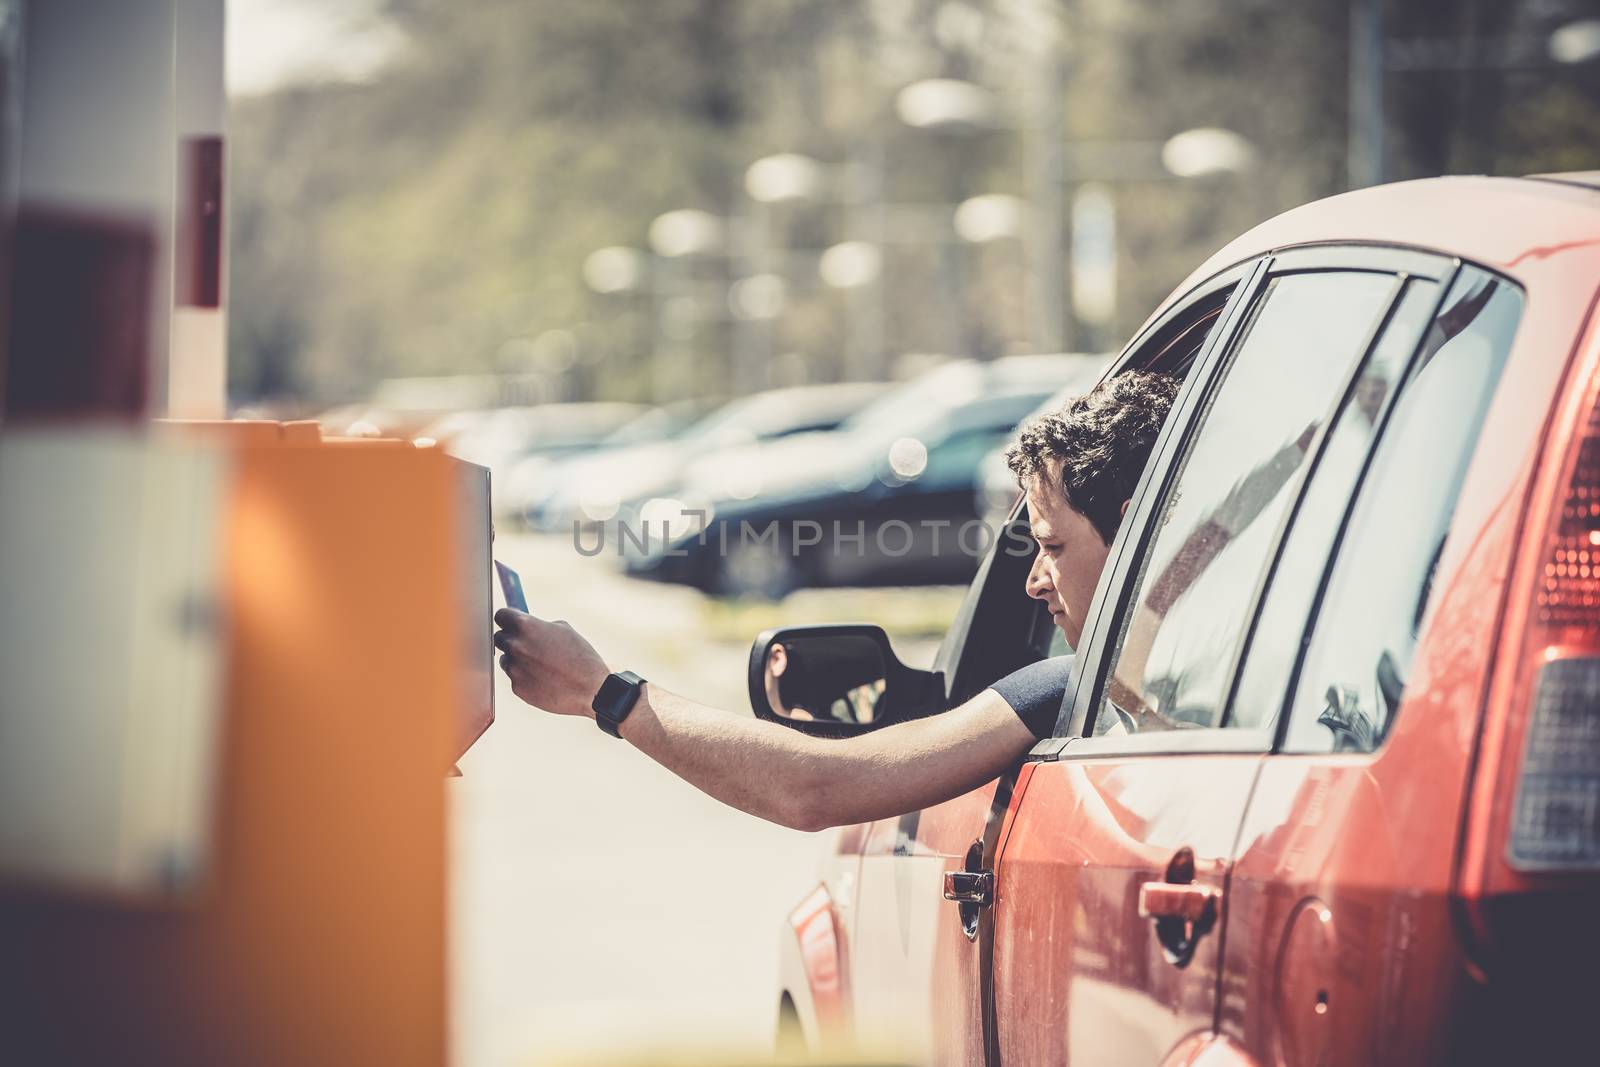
(969, 887)
(1191, 903)
(1183, 913)
(972, 889)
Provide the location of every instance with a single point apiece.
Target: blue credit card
(511, 586)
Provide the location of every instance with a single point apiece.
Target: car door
(917, 963)
(915, 975)
(1342, 944)
(1110, 885)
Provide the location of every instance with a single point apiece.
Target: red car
(1325, 788)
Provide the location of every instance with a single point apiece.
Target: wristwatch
(617, 695)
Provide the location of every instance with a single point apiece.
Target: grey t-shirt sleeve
(1035, 691)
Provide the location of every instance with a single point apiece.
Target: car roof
(1499, 223)
(825, 397)
(784, 409)
(1587, 178)
(1087, 377)
(1047, 368)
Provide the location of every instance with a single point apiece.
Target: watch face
(612, 690)
(615, 699)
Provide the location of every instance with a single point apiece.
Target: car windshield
(657, 424)
(735, 419)
(776, 413)
(905, 411)
(928, 407)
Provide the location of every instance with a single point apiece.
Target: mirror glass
(827, 677)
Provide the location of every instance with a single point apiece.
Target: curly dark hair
(1098, 444)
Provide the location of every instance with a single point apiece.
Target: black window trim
(955, 657)
(1205, 738)
(1089, 661)
(1383, 259)
(1178, 309)
(1092, 660)
(1280, 536)
(1412, 369)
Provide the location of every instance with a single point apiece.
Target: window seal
(1250, 278)
(1345, 256)
(1265, 739)
(1110, 592)
(1280, 717)
(1406, 380)
(1204, 740)
(1308, 471)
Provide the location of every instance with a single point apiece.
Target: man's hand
(550, 665)
(761, 767)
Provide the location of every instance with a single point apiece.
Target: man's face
(1070, 557)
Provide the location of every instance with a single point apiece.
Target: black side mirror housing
(837, 680)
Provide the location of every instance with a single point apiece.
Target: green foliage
(436, 220)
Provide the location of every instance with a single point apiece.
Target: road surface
(599, 904)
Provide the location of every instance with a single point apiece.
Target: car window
(1000, 628)
(951, 461)
(1217, 524)
(906, 407)
(1380, 590)
(1275, 643)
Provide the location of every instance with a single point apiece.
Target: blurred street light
(615, 270)
(675, 236)
(1576, 42)
(782, 177)
(989, 217)
(554, 352)
(758, 298)
(1206, 150)
(686, 232)
(627, 278)
(948, 104)
(945, 104)
(851, 265)
(790, 178)
(1094, 258)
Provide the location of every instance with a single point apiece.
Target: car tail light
(1555, 821)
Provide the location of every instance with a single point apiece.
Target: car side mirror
(837, 680)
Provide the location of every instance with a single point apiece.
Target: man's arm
(769, 770)
(811, 783)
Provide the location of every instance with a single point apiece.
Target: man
(1078, 466)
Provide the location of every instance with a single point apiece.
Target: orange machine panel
(320, 938)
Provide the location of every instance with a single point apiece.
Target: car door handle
(1191, 903)
(969, 887)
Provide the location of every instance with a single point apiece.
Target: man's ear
(1124, 512)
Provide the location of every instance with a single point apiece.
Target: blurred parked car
(593, 489)
(997, 488)
(498, 438)
(762, 521)
(529, 478)
(1325, 783)
(405, 407)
